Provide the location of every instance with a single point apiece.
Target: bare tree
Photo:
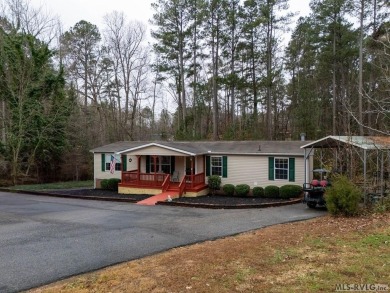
(23, 17)
(124, 41)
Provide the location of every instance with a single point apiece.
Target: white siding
(253, 170)
(99, 174)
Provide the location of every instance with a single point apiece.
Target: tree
(171, 21)
(124, 42)
(35, 105)
(81, 47)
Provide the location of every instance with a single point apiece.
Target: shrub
(343, 197)
(271, 191)
(258, 191)
(289, 191)
(242, 189)
(113, 183)
(383, 205)
(104, 184)
(228, 189)
(110, 184)
(214, 182)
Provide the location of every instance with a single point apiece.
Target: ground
(307, 256)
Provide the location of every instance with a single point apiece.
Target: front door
(190, 168)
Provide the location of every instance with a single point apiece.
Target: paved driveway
(44, 239)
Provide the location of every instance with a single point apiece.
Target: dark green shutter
(103, 162)
(124, 163)
(147, 164)
(224, 167)
(271, 168)
(172, 164)
(207, 165)
(291, 169)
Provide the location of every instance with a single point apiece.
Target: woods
(202, 70)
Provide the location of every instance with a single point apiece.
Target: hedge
(228, 189)
(271, 191)
(242, 189)
(290, 191)
(258, 191)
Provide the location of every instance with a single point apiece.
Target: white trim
(157, 145)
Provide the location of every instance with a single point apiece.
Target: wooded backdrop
(214, 69)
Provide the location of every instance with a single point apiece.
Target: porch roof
(363, 142)
(194, 148)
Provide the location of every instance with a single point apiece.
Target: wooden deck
(161, 181)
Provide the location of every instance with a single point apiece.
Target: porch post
(192, 172)
(155, 168)
(138, 169)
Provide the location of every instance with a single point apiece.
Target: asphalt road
(44, 239)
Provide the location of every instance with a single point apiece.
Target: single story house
(154, 167)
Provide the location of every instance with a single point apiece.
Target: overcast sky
(72, 11)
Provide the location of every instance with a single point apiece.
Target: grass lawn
(56, 185)
(309, 256)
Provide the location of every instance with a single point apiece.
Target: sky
(72, 11)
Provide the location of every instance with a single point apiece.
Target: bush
(271, 191)
(104, 184)
(258, 191)
(214, 182)
(343, 197)
(289, 191)
(110, 184)
(383, 205)
(242, 189)
(228, 189)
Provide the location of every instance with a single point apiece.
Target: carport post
(305, 172)
(382, 170)
(365, 172)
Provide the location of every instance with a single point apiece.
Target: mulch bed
(207, 201)
(227, 200)
(99, 193)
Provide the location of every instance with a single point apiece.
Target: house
(153, 167)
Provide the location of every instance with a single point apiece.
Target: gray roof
(363, 142)
(211, 147)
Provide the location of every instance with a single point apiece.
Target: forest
(198, 70)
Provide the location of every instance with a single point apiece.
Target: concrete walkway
(151, 201)
(44, 239)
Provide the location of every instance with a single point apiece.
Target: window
(281, 169)
(161, 164)
(216, 166)
(106, 162)
(118, 167)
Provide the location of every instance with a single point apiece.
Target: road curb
(164, 203)
(239, 206)
(85, 197)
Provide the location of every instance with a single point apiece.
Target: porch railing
(195, 180)
(166, 182)
(160, 180)
(133, 178)
(182, 186)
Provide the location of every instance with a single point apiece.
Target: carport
(364, 159)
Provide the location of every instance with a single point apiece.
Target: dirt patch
(309, 256)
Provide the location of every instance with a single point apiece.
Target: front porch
(136, 182)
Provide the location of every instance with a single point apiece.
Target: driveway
(44, 239)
